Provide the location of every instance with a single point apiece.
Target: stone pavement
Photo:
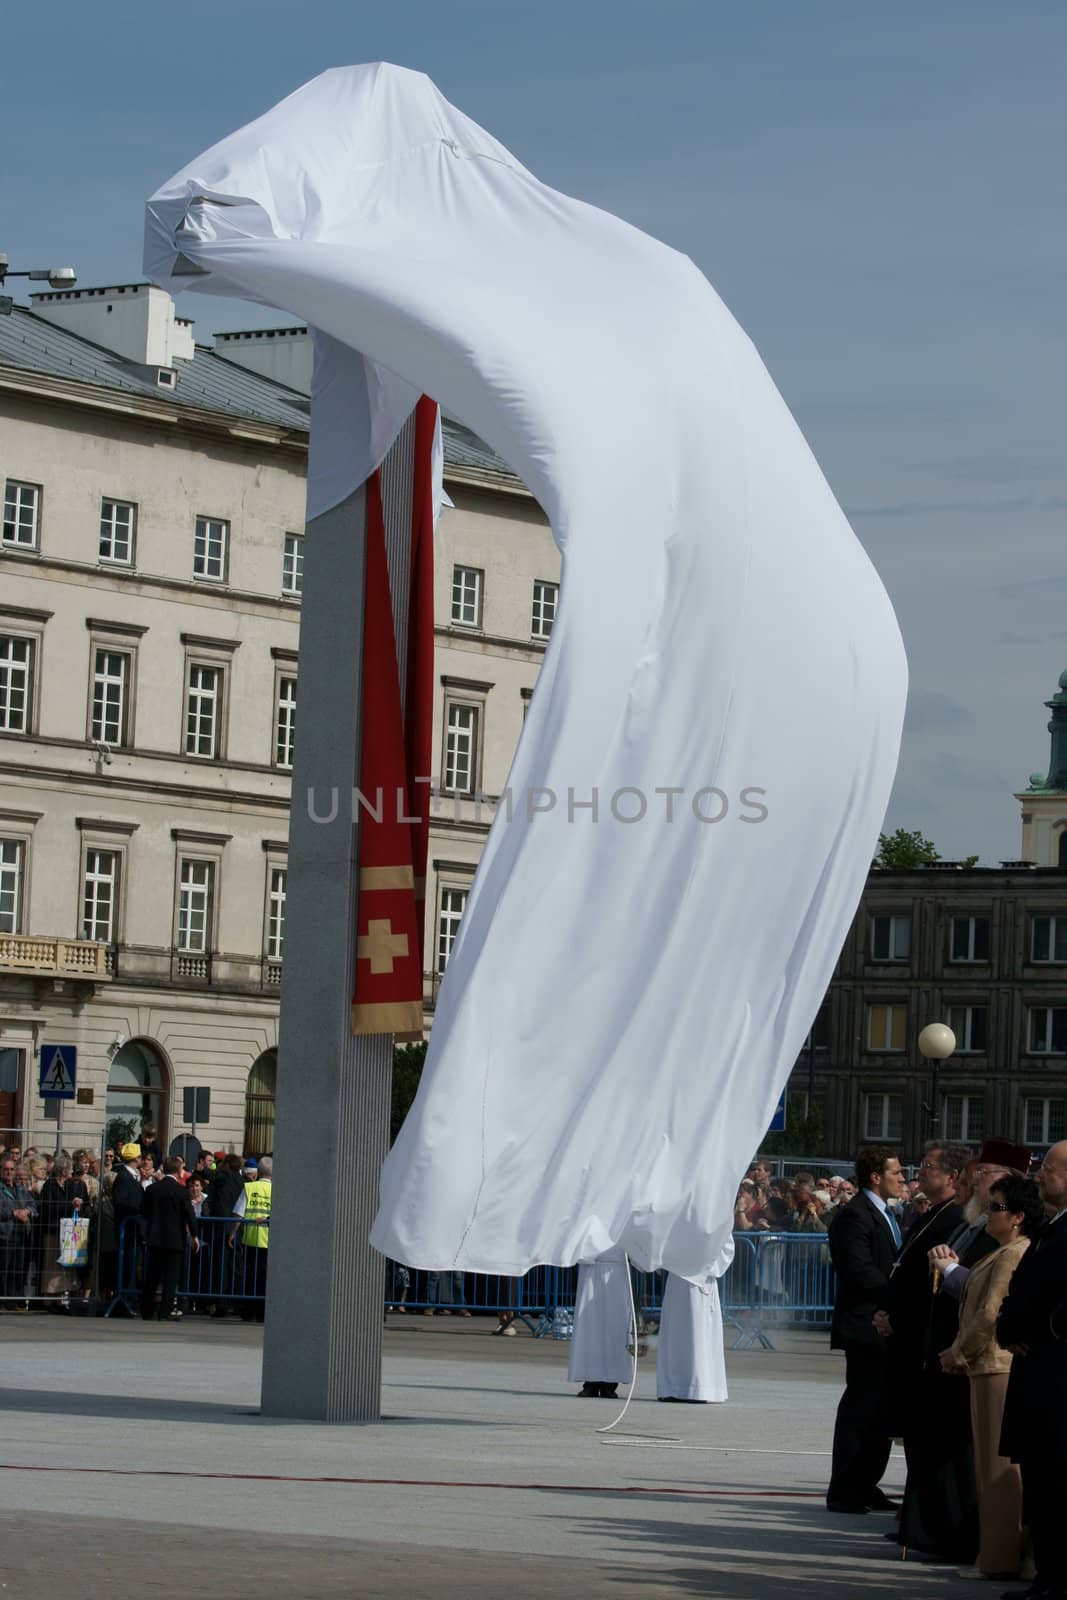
(133, 1461)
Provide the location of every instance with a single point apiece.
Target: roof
(209, 382)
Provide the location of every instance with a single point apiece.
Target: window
(1048, 1030)
(890, 938)
(964, 1118)
(883, 1116)
(545, 598)
(117, 524)
(968, 1023)
(195, 887)
(111, 693)
(887, 1027)
(16, 684)
(22, 514)
(970, 939)
(10, 885)
(1049, 939)
(467, 596)
(259, 1103)
(461, 745)
(276, 913)
(293, 564)
(98, 896)
(452, 904)
(820, 1028)
(1044, 1121)
(203, 711)
(137, 1089)
(210, 548)
(285, 723)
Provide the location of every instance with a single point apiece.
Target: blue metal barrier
(224, 1273)
(776, 1280)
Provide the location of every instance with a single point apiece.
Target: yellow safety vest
(257, 1211)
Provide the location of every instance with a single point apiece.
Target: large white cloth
(725, 681)
(690, 1356)
(602, 1324)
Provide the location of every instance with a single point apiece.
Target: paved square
(134, 1462)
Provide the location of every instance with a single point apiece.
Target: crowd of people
(951, 1311)
(127, 1198)
(808, 1201)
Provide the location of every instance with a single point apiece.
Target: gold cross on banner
(381, 946)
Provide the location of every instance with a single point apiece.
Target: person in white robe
(600, 1357)
(690, 1357)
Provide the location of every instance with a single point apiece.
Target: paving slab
(124, 1439)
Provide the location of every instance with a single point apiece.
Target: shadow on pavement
(760, 1550)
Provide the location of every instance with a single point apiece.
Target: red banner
(395, 750)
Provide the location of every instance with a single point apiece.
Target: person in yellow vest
(253, 1209)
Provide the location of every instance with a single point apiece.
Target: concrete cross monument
(322, 1341)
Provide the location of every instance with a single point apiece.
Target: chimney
(133, 320)
(284, 355)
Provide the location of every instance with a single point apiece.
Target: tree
(407, 1070)
(902, 850)
(120, 1131)
(803, 1131)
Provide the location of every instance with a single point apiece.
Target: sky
(877, 192)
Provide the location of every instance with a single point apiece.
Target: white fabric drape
(626, 997)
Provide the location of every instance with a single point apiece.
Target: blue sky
(876, 192)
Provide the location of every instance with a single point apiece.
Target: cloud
(930, 711)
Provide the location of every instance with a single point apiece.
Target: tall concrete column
(322, 1343)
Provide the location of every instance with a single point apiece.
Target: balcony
(58, 959)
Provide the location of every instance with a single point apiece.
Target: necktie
(894, 1227)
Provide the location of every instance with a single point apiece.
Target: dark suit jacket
(1035, 1411)
(862, 1251)
(167, 1217)
(127, 1198)
(910, 1291)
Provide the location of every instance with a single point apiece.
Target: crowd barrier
(31, 1273)
(776, 1280)
(223, 1274)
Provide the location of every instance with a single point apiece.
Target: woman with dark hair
(62, 1196)
(1015, 1213)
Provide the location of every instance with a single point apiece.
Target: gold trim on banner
(387, 1016)
(386, 878)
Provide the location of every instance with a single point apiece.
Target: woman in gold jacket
(1015, 1213)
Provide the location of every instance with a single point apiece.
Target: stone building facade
(151, 558)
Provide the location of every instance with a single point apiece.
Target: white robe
(599, 1346)
(690, 1360)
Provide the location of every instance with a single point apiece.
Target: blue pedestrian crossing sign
(778, 1120)
(59, 1071)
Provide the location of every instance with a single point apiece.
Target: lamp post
(57, 277)
(936, 1043)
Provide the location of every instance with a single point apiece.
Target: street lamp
(57, 277)
(936, 1043)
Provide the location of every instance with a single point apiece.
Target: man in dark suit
(1033, 1326)
(864, 1239)
(931, 1410)
(168, 1221)
(127, 1198)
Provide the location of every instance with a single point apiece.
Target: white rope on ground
(633, 1332)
